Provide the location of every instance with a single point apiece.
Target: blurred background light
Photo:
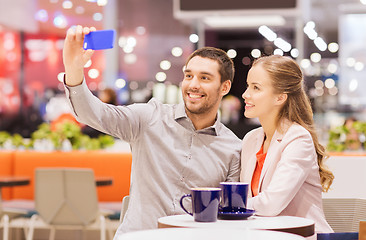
(177, 51)
(193, 38)
(231, 53)
(256, 53)
(160, 76)
(165, 65)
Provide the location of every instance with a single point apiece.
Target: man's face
(201, 87)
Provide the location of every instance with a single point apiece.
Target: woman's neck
(269, 128)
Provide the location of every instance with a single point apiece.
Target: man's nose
(195, 83)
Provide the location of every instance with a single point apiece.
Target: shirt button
(74, 92)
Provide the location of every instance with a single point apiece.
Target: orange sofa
(6, 169)
(105, 164)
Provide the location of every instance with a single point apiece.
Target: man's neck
(201, 121)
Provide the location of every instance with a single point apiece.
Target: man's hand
(74, 56)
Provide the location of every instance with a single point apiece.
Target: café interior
(153, 39)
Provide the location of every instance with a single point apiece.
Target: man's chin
(193, 109)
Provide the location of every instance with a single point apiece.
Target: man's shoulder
(225, 131)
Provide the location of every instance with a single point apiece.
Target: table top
(9, 181)
(289, 224)
(212, 234)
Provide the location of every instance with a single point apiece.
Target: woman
(283, 159)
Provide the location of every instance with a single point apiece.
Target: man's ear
(281, 98)
(225, 87)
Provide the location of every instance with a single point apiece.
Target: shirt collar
(180, 113)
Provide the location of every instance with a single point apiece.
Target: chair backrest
(344, 214)
(125, 202)
(66, 196)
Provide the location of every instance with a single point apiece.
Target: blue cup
(205, 203)
(234, 196)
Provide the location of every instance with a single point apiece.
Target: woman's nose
(244, 95)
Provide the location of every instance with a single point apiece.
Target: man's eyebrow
(205, 73)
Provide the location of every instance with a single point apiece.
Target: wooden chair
(66, 198)
(4, 224)
(125, 202)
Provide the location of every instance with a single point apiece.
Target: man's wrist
(71, 84)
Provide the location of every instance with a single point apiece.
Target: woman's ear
(225, 87)
(281, 98)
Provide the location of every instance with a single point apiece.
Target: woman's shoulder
(252, 136)
(297, 132)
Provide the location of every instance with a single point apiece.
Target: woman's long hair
(287, 78)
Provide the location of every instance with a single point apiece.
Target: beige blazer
(289, 183)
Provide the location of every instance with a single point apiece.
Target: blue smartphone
(98, 40)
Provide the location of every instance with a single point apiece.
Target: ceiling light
(267, 33)
(320, 44)
(282, 44)
(244, 21)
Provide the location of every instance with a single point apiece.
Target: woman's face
(260, 100)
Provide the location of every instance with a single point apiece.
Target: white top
(212, 234)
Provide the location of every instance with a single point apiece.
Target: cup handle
(181, 203)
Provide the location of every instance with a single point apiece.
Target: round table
(211, 234)
(300, 226)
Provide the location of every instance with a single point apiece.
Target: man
(174, 147)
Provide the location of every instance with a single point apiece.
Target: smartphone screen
(98, 40)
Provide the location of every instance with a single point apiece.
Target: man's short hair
(226, 65)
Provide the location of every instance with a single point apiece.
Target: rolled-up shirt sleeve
(124, 122)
